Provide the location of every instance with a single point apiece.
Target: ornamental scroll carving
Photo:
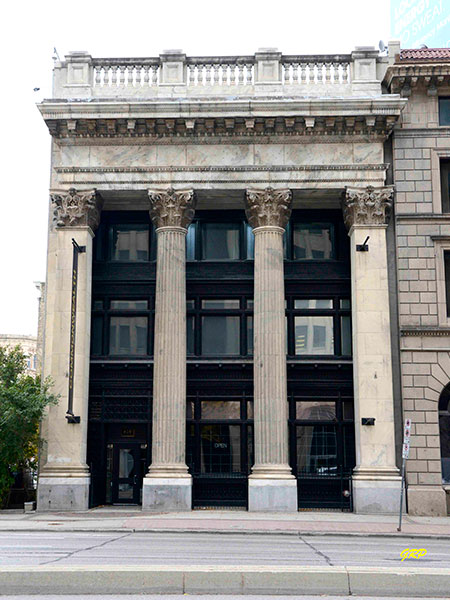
(367, 206)
(268, 207)
(172, 208)
(72, 208)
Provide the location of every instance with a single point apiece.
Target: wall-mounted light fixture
(368, 421)
(364, 247)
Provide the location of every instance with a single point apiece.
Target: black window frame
(298, 219)
(441, 101)
(444, 170)
(103, 250)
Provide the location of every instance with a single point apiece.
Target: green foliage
(23, 400)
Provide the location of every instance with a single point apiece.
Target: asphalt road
(45, 548)
(203, 597)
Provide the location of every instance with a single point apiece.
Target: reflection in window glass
(346, 336)
(316, 411)
(220, 241)
(96, 336)
(444, 165)
(97, 305)
(444, 433)
(311, 304)
(220, 448)
(250, 242)
(444, 111)
(447, 278)
(218, 409)
(312, 241)
(345, 303)
(249, 335)
(219, 304)
(190, 330)
(314, 335)
(250, 303)
(128, 335)
(130, 242)
(316, 449)
(190, 241)
(347, 410)
(129, 304)
(220, 336)
(190, 304)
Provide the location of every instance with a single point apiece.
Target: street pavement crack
(70, 554)
(318, 552)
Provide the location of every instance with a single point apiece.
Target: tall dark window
(444, 432)
(213, 238)
(309, 240)
(444, 111)
(445, 184)
(447, 279)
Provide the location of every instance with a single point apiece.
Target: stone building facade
(421, 147)
(28, 344)
(221, 297)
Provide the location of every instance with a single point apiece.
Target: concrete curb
(313, 533)
(251, 580)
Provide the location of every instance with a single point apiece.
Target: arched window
(444, 432)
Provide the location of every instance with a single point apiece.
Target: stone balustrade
(173, 74)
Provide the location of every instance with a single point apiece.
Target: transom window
(129, 238)
(318, 326)
(305, 240)
(219, 240)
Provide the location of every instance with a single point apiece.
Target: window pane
(220, 336)
(345, 303)
(314, 335)
(250, 335)
(220, 241)
(312, 241)
(348, 410)
(190, 242)
(128, 335)
(316, 449)
(218, 409)
(189, 409)
(190, 304)
(250, 303)
(445, 184)
(219, 304)
(447, 279)
(444, 111)
(129, 305)
(311, 304)
(316, 411)
(220, 448)
(250, 242)
(190, 330)
(346, 336)
(130, 242)
(250, 409)
(96, 336)
(444, 429)
(97, 305)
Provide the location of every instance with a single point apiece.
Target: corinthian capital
(268, 207)
(72, 208)
(367, 206)
(172, 208)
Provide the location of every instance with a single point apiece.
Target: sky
(134, 29)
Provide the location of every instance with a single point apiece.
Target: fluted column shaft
(268, 212)
(169, 378)
(270, 378)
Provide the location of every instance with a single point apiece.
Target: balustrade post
(268, 67)
(363, 69)
(173, 68)
(74, 77)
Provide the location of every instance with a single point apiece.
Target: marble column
(376, 480)
(168, 485)
(64, 478)
(272, 487)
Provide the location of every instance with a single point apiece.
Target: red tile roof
(425, 54)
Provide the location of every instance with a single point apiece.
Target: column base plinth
(427, 501)
(63, 492)
(377, 491)
(272, 495)
(162, 494)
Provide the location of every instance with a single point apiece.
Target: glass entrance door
(126, 474)
(219, 449)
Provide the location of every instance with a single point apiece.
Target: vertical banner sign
(405, 456)
(71, 418)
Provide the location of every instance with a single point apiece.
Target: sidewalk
(122, 519)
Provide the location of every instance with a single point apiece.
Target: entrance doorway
(126, 473)
(219, 449)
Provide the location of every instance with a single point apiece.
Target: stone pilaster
(168, 484)
(376, 482)
(64, 478)
(271, 484)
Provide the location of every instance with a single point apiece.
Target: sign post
(71, 418)
(405, 456)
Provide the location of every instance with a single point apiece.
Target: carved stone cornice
(172, 208)
(367, 206)
(73, 209)
(268, 207)
(401, 78)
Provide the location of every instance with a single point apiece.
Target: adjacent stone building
(221, 307)
(28, 344)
